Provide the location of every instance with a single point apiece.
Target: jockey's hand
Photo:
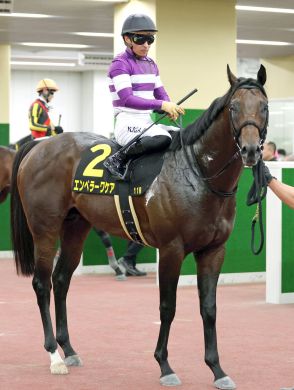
(58, 130)
(49, 131)
(172, 109)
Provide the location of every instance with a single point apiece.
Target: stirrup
(114, 170)
(117, 175)
(123, 176)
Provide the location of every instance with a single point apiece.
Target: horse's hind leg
(209, 266)
(73, 236)
(44, 255)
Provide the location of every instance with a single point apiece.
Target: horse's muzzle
(250, 154)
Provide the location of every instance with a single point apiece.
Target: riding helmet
(47, 83)
(138, 22)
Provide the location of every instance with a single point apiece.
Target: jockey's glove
(172, 109)
(58, 129)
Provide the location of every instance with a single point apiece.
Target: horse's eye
(232, 108)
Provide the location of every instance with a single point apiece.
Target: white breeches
(128, 125)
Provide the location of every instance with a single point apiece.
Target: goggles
(140, 39)
(51, 91)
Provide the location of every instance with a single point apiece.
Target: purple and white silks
(136, 91)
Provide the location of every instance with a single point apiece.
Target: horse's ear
(232, 78)
(261, 75)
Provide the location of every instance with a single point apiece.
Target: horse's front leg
(169, 271)
(209, 266)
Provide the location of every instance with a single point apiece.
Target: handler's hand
(268, 176)
(172, 109)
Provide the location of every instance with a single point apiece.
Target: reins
(198, 174)
(123, 148)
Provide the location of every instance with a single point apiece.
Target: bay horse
(189, 208)
(7, 155)
(6, 160)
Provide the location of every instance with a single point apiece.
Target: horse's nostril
(258, 149)
(244, 150)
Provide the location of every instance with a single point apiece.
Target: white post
(273, 240)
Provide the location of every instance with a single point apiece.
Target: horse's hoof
(121, 277)
(58, 368)
(170, 380)
(73, 360)
(225, 383)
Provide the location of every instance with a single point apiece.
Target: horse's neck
(12, 153)
(215, 149)
(7, 157)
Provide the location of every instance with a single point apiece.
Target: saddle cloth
(91, 177)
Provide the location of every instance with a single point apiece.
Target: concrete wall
(196, 41)
(280, 72)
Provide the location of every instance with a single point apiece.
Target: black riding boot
(118, 162)
(128, 261)
(148, 145)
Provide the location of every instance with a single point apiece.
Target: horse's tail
(21, 237)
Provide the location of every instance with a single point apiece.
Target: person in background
(269, 151)
(281, 154)
(106, 240)
(290, 157)
(128, 260)
(21, 142)
(136, 91)
(39, 120)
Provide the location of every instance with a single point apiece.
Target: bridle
(262, 131)
(236, 134)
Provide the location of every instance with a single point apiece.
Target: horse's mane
(195, 130)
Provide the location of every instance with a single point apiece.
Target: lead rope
(255, 195)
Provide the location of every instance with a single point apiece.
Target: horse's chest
(209, 223)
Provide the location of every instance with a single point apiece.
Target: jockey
(137, 90)
(40, 123)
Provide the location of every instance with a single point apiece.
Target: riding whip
(123, 148)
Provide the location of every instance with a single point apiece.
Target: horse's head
(248, 109)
